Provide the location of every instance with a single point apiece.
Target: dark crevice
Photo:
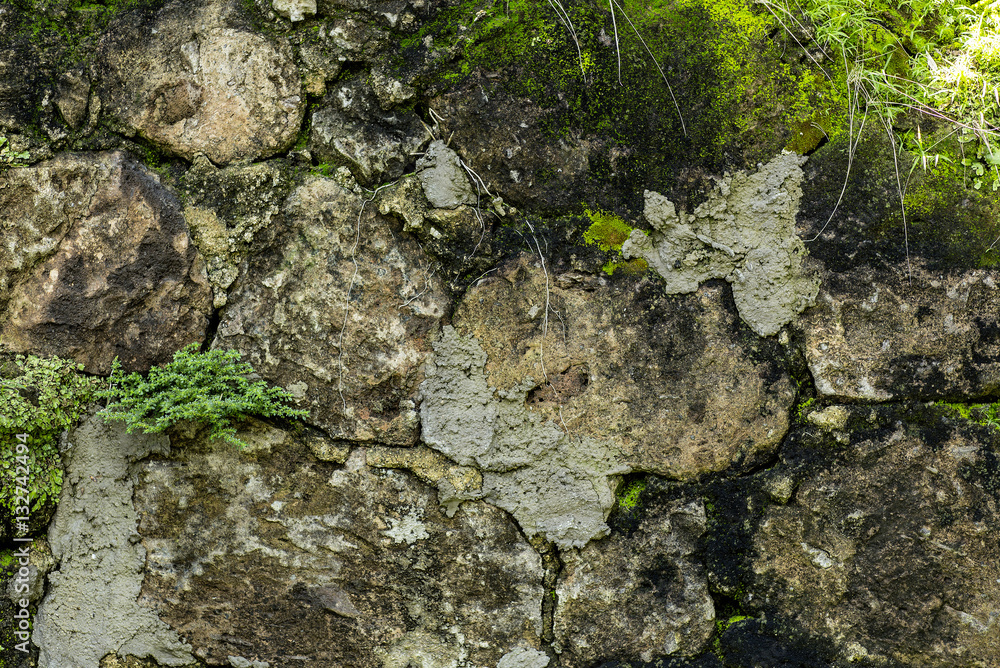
(211, 330)
(553, 568)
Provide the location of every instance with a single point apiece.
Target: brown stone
(102, 264)
(192, 84)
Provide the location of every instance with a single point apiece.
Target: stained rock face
(670, 383)
(93, 536)
(342, 314)
(192, 84)
(232, 213)
(351, 129)
(637, 595)
(892, 548)
(875, 336)
(99, 264)
(273, 556)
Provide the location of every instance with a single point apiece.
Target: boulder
(675, 384)
(342, 313)
(270, 555)
(884, 554)
(192, 83)
(100, 264)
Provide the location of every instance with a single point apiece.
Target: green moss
(629, 496)
(607, 231)
(39, 398)
(985, 415)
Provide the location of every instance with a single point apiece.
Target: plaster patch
(744, 233)
(91, 609)
(553, 483)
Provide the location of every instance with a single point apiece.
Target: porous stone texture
(192, 83)
(744, 233)
(637, 595)
(341, 312)
(98, 262)
(888, 555)
(295, 10)
(876, 336)
(351, 129)
(271, 555)
(92, 605)
(232, 214)
(672, 385)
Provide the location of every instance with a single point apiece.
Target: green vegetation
(211, 387)
(986, 415)
(629, 495)
(927, 72)
(9, 156)
(39, 397)
(608, 232)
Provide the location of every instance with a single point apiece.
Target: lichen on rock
(744, 233)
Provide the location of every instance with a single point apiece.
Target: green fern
(211, 387)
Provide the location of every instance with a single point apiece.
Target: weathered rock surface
(888, 555)
(232, 215)
(342, 313)
(637, 595)
(875, 336)
(744, 233)
(192, 83)
(98, 263)
(351, 129)
(673, 384)
(445, 183)
(270, 555)
(92, 606)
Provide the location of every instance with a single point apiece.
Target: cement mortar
(744, 233)
(553, 483)
(91, 608)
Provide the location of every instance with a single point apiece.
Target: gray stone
(446, 185)
(356, 363)
(552, 483)
(524, 657)
(744, 233)
(351, 129)
(93, 606)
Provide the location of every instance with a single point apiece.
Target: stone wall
(598, 374)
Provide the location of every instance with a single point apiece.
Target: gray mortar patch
(744, 233)
(91, 608)
(553, 483)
